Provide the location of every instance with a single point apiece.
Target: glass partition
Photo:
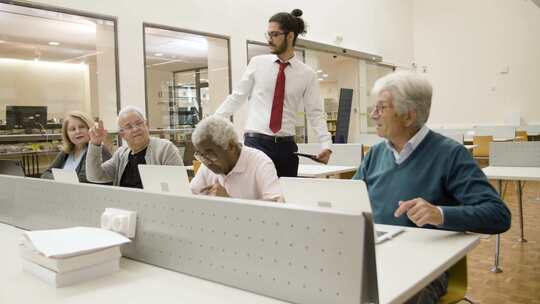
(374, 72)
(187, 78)
(52, 62)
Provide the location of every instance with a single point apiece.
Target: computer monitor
(26, 117)
(164, 179)
(11, 167)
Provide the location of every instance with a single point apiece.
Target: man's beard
(281, 49)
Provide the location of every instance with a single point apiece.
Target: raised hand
(97, 133)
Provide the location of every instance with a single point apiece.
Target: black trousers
(282, 154)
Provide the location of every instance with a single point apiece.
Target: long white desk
(405, 264)
(517, 174)
(322, 170)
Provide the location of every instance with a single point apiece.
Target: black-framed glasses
(272, 35)
(130, 127)
(205, 158)
(379, 109)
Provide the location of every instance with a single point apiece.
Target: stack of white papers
(63, 257)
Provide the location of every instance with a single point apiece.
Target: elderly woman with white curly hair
(228, 168)
(420, 178)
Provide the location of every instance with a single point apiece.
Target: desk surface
(513, 173)
(405, 265)
(470, 138)
(322, 170)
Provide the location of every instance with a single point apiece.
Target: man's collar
(241, 164)
(291, 61)
(414, 141)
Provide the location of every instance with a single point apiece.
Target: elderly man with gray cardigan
(122, 168)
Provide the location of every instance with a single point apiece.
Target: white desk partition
(514, 154)
(532, 130)
(456, 137)
(290, 253)
(342, 154)
(496, 131)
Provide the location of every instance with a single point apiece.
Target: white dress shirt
(410, 146)
(253, 177)
(301, 91)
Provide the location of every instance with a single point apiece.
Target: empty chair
(481, 151)
(522, 136)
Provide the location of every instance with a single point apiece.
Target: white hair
(130, 109)
(218, 129)
(410, 92)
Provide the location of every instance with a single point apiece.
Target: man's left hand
(420, 211)
(324, 156)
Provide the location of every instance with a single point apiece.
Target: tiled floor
(520, 280)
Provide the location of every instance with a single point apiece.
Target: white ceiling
(175, 51)
(25, 34)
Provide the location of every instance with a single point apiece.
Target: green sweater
(442, 172)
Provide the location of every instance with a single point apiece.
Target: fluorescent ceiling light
(320, 79)
(324, 75)
(54, 43)
(2, 41)
(158, 54)
(319, 71)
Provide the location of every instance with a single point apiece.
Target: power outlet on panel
(119, 220)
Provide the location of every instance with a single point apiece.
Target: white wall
(30, 83)
(467, 47)
(383, 27)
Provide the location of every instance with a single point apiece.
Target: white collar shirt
(253, 177)
(409, 147)
(302, 93)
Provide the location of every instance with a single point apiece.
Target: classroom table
(518, 174)
(323, 171)
(405, 265)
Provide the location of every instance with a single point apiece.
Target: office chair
(481, 152)
(522, 136)
(457, 284)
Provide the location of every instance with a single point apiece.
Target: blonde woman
(75, 140)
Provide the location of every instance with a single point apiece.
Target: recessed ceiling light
(158, 54)
(319, 71)
(324, 75)
(2, 41)
(320, 79)
(54, 43)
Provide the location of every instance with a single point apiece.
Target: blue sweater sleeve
(479, 208)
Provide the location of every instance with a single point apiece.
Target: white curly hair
(218, 129)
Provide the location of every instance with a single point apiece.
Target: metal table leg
(496, 268)
(519, 189)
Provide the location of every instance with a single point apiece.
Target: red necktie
(279, 96)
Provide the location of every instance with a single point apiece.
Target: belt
(275, 139)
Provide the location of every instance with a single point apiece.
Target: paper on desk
(63, 243)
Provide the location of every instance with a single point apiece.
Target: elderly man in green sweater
(417, 177)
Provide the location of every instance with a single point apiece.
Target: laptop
(165, 179)
(65, 176)
(11, 167)
(339, 194)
